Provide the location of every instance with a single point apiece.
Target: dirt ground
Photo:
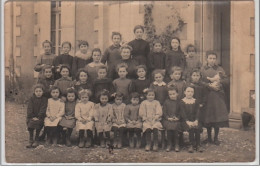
(236, 146)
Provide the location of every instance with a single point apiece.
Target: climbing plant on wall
(169, 31)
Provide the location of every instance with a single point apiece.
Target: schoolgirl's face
(116, 40)
(84, 98)
(139, 33)
(102, 73)
(211, 60)
(157, 47)
(66, 48)
(191, 52)
(175, 44)
(176, 75)
(158, 77)
(141, 72)
(189, 92)
(195, 77)
(83, 76)
(64, 72)
(55, 94)
(71, 97)
(118, 100)
(96, 56)
(47, 48)
(47, 73)
(38, 92)
(83, 48)
(122, 72)
(150, 96)
(103, 99)
(135, 101)
(125, 53)
(173, 95)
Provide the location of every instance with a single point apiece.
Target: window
(252, 26)
(56, 26)
(252, 63)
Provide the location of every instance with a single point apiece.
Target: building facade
(226, 27)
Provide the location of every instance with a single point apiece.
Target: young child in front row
(189, 108)
(64, 82)
(141, 83)
(102, 82)
(118, 120)
(36, 113)
(68, 121)
(103, 118)
(84, 113)
(133, 120)
(151, 113)
(171, 118)
(55, 111)
(122, 84)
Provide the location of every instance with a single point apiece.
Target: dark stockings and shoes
(118, 137)
(51, 135)
(104, 140)
(209, 139)
(33, 142)
(148, 139)
(172, 134)
(42, 136)
(89, 139)
(132, 132)
(67, 132)
(194, 139)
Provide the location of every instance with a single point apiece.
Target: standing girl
(141, 48)
(174, 56)
(46, 58)
(118, 120)
(64, 82)
(68, 120)
(192, 60)
(172, 118)
(54, 113)
(190, 115)
(82, 57)
(92, 67)
(156, 57)
(85, 118)
(151, 113)
(112, 53)
(215, 109)
(47, 80)
(103, 118)
(36, 113)
(64, 59)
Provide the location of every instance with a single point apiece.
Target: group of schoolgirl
(138, 90)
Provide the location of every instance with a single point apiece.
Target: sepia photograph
(136, 82)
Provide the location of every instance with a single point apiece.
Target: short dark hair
(121, 65)
(138, 27)
(46, 41)
(79, 71)
(119, 94)
(65, 66)
(71, 90)
(96, 50)
(116, 33)
(66, 42)
(55, 88)
(102, 67)
(176, 68)
(211, 52)
(141, 66)
(38, 86)
(189, 46)
(104, 92)
(172, 87)
(135, 95)
(83, 42)
(157, 41)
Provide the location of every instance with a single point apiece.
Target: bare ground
(236, 146)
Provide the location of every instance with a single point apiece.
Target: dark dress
(171, 108)
(79, 86)
(36, 108)
(64, 83)
(131, 69)
(69, 112)
(189, 112)
(47, 83)
(139, 86)
(215, 113)
(99, 85)
(156, 60)
(161, 92)
(79, 63)
(174, 58)
(111, 56)
(63, 59)
(141, 49)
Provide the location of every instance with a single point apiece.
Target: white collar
(159, 84)
(188, 101)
